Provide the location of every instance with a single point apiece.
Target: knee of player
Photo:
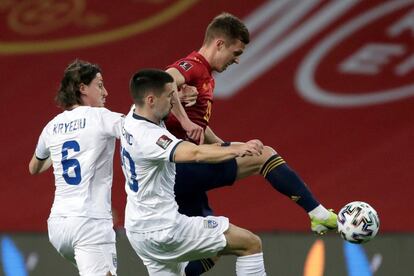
(267, 153)
(255, 244)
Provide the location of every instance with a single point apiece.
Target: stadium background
(329, 84)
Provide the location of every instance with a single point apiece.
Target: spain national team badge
(209, 223)
(164, 141)
(185, 65)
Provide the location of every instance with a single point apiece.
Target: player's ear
(220, 43)
(149, 99)
(82, 88)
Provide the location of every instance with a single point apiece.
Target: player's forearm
(178, 109)
(188, 152)
(210, 137)
(215, 153)
(37, 166)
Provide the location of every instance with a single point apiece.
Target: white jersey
(81, 145)
(147, 155)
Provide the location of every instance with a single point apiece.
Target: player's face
(95, 93)
(229, 54)
(165, 101)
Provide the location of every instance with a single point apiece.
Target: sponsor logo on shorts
(164, 141)
(210, 224)
(185, 65)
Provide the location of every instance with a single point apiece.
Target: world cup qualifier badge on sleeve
(164, 141)
(185, 65)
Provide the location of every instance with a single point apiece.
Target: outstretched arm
(194, 131)
(37, 166)
(189, 152)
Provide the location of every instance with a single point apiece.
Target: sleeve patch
(185, 65)
(164, 141)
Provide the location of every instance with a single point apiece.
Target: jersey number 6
(69, 163)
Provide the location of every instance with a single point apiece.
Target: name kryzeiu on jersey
(62, 128)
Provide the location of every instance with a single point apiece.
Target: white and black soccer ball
(358, 222)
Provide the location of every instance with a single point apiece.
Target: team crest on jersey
(164, 141)
(210, 224)
(185, 65)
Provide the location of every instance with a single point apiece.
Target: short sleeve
(112, 123)
(188, 68)
(42, 152)
(160, 144)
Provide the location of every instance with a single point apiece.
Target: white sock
(250, 265)
(319, 212)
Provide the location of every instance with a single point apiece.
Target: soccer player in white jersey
(164, 239)
(79, 143)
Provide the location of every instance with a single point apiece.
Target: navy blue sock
(287, 182)
(195, 268)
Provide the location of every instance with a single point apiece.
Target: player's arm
(210, 137)
(186, 93)
(194, 131)
(177, 76)
(189, 152)
(37, 166)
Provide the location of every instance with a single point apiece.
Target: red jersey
(197, 72)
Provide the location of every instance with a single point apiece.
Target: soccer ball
(358, 222)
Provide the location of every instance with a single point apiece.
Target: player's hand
(256, 143)
(248, 149)
(188, 95)
(194, 132)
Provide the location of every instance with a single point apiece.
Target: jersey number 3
(67, 164)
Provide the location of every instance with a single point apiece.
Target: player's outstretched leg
(285, 180)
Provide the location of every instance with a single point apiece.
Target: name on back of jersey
(128, 137)
(68, 127)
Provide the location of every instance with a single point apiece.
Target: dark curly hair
(75, 74)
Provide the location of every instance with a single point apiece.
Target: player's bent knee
(255, 245)
(268, 152)
(241, 242)
(253, 164)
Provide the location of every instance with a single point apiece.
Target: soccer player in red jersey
(225, 40)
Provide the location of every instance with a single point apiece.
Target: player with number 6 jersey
(79, 143)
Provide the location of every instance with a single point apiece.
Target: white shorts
(87, 242)
(167, 251)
